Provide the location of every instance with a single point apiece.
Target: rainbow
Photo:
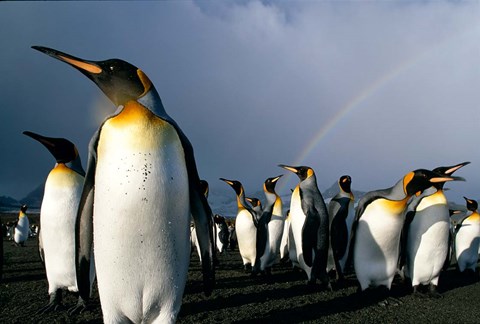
(357, 101)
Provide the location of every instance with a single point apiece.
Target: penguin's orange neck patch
(133, 112)
(395, 206)
(239, 204)
(60, 167)
(474, 217)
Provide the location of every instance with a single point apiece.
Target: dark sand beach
(284, 298)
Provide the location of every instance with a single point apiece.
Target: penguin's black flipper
(204, 229)
(41, 254)
(309, 233)
(262, 234)
(84, 224)
(338, 228)
(402, 258)
(201, 213)
(448, 258)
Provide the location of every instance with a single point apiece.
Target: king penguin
(427, 233)
(245, 228)
(467, 238)
(22, 229)
(141, 174)
(273, 217)
(342, 214)
(58, 213)
(309, 225)
(377, 227)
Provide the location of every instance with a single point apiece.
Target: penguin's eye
(111, 67)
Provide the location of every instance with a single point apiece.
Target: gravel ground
(284, 298)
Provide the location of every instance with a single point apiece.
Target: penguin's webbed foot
(55, 303)
(433, 292)
(79, 308)
(417, 292)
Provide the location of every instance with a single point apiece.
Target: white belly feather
(141, 221)
(376, 247)
(63, 189)
(246, 236)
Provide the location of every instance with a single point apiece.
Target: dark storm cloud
(252, 83)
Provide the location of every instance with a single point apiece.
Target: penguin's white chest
(467, 242)
(377, 242)
(427, 241)
(246, 236)
(21, 230)
(63, 190)
(297, 219)
(141, 214)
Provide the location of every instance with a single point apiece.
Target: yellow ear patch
(406, 180)
(147, 84)
(310, 173)
(82, 65)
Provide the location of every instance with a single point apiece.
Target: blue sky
(394, 85)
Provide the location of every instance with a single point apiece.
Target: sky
(370, 89)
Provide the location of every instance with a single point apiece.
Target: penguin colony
(141, 173)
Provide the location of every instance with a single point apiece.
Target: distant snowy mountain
(222, 200)
(35, 197)
(33, 200)
(8, 203)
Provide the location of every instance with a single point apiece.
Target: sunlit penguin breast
(141, 210)
(63, 190)
(22, 229)
(246, 236)
(377, 242)
(297, 219)
(427, 241)
(275, 232)
(467, 242)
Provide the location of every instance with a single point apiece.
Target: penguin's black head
(62, 149)
(345, 183)
(119, 80)
(204, 187)
(447, 170)
(421, 179)
(303, 172)
(472, 205)
(254, 202)
(236, 185)
(270, 183)
(24, 208)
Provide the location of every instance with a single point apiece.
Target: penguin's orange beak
(82, 65)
